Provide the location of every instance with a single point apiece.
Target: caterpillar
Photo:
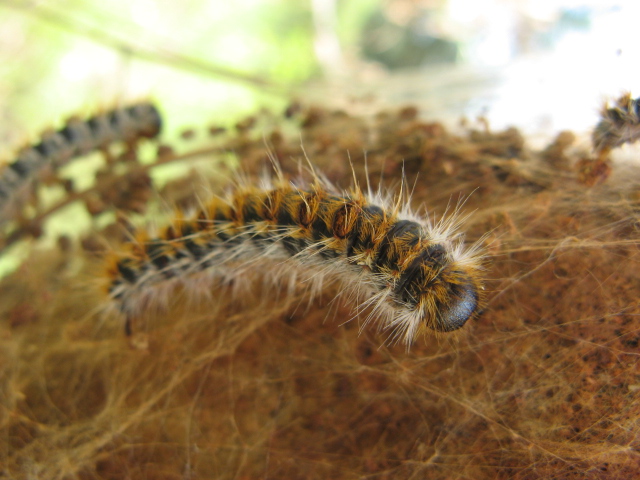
(77, 138)
(618, 125)
(414, 275)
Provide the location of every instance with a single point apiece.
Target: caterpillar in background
(75, 139)
(412, 274)
(619, 124)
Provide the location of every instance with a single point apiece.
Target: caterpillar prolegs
(413, 275)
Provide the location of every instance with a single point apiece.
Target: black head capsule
(463, 303)
(440, 290)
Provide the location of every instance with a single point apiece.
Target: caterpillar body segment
(412, 275)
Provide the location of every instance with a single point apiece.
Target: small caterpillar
(412, 274)
(619, 124)
(77, 138)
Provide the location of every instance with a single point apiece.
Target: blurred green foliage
(203, 60)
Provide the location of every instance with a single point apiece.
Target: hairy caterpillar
(413, 275)
(619, 124)
(77, 138)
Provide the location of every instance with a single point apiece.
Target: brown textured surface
(544, 385)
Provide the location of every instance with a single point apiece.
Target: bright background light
(540, 65)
